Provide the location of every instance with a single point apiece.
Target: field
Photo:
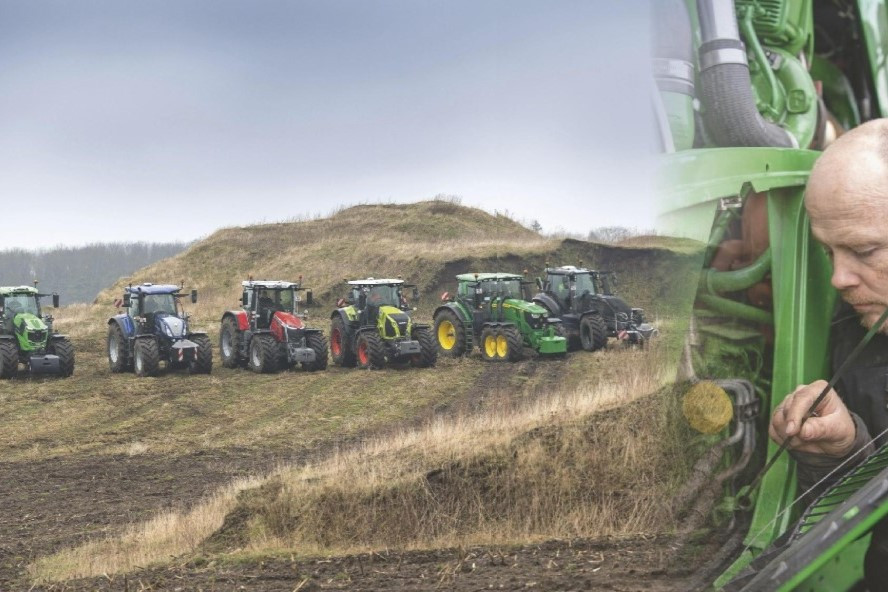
(547, 472)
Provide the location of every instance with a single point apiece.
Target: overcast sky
(165, 120)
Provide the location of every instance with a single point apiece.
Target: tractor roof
(471, 277)
(566, 269)
(375, 282)
(153, 289)
(269, 284)
(7, 290)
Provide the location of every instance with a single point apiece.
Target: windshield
(383, 296)
(584, 284)
(154, 303)
(18, 303)
(277, 299)
(498, 288)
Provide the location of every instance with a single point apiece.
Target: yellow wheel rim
(502, 346)
(490, 346)
(446, 335)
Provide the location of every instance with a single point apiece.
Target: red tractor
(269, 332)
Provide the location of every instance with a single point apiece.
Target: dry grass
(591, 460)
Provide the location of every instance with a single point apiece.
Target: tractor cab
(482, 288)
(570, 285)
(148, 303)
(370, 295)
(264, 298)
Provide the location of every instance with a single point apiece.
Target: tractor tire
(263, 354)
(510, 339)
(9, 358)
(318, 343)
(450, 333)
(146, 357)
(230, 339)
(593, 332)
(428, 349)
(64, 349)
(117, 355)
(203, 357)
(371, 351)
(488, 344)
(340, 345)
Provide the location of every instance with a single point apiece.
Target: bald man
(847, 202)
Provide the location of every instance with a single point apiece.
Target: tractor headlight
(167, 330)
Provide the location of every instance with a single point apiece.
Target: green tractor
(372, 327)
(491, 309)
(749, 93)
(26, 336)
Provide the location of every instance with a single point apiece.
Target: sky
(165, 120)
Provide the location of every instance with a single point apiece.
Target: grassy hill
(97, 415)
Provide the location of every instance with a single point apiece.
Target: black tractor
(589, 310)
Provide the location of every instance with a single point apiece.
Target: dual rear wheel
(502, 343)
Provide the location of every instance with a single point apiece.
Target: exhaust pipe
(673, 69)
(730, 114)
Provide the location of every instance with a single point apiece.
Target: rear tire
(593, 332)
(146, 358)
(514, 344)
(450, 334)
(230, 343)
(318, 343)
(263, 354)
(488, 344)
(64, 349)
(428, 349)
(340, 345)
(371, 351)
(117, 354)
(9, 358)
(203, 357)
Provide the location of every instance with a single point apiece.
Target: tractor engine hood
(394, 322)
(526, 306)
(169, 325)
(288, 320)
(616, 304)
(30, 330)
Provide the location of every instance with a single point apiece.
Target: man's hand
(831, 431)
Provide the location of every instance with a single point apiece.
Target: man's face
(847, 202)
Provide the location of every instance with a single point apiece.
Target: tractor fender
(313, 331)
(547, 302)
(57, 336)
(243, 322)
(125, 323)
(457, 310)
(6, 338)
(196, 333)
(347, 324)
(421, 326)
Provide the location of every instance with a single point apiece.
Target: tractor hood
(393, 322)
(30, 330)
(615, 303)
(523, 305)
(169, 325)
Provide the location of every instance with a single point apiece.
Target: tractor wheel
(9, 358)
(371, 351)
(117, 358)
(146, 357)
(509, 344)
(230, 343)
(593, 332)
(263, 354)
(64, 349)
(203, 357)
(340, 345)
(451, 334)
(489, 345)
(318, 343)
(428, 349)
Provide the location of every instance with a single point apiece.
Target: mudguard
(549, 303)
(125, 323)
(458, 310)
(243, 322)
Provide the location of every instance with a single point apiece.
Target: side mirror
(55, 300)
(415, 293)
(245, 298)
(308, 298)
(127, 300)
(193, 296)
(539, 284)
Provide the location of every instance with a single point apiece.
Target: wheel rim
(255, 357)
(363, 356)
(585, 334)
(112, 348)
(490, 346)
(138, 361)
(336, 342)
(226, 344)
(446, 334)
(502, 346)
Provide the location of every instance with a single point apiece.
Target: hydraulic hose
(730, 112)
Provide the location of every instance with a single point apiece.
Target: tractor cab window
(155, 303)
(501, 288)
(285, 300)
(19, 303)
(384, 296)
(560, 286)
(584, 284)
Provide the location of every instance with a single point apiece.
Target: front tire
(117, 355)
(340, 345)
(371, 351)
(203, 357)
(230, 343)
(489, 345)
(146, 358)
(428, 349)
(263, 354)
(593, 332)
(510, 345)
(318, 343)
(9, 358)
(64, 349)
(450, 333)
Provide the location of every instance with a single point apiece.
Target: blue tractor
(155, 328)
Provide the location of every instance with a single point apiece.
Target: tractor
(155, 329)
(491, 309)
(749, 93)
(589, 310)
(372, 326)
(269, 332)
(26, 335)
